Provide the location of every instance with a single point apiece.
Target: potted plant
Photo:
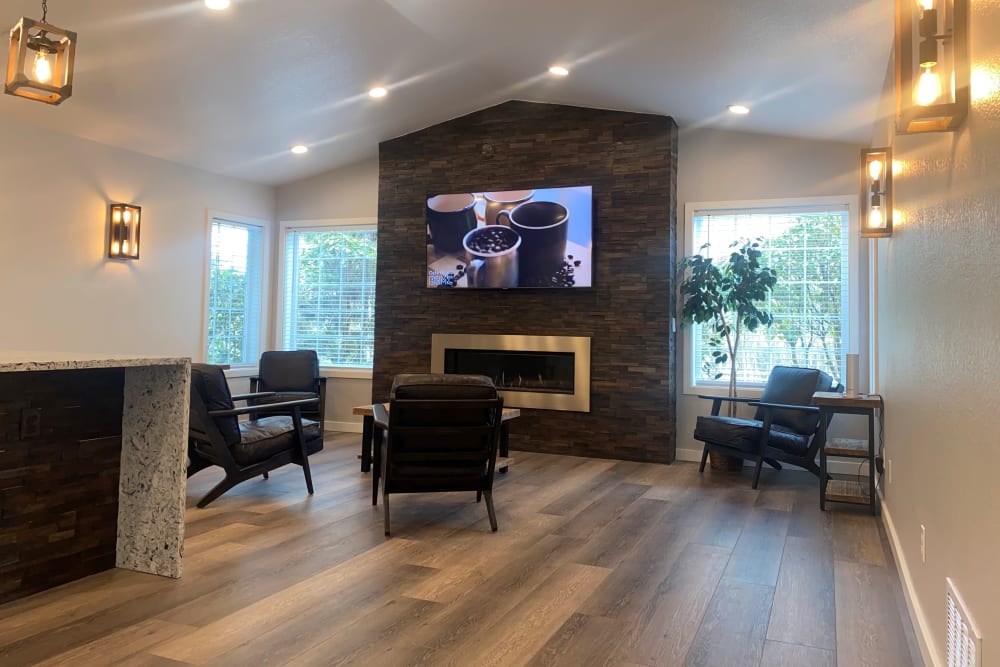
(729, 297)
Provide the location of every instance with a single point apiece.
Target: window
(328, 295)
(809, 245)
(235, 292)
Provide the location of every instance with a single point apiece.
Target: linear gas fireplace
(546, 372)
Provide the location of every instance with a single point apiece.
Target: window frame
(328, 224)
(854, 296)
(267, 231)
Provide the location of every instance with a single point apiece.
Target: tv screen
(512, 239)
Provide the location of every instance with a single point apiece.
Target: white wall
(715, 165)
(60, 292)
(348, 192)
(939, 325)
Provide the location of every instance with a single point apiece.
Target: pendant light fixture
(40, 60)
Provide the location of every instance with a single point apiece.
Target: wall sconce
(876, 192)
(40, 60)
(932, 65)
(124, 233)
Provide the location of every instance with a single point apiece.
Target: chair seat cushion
(263, 438)
(744, 434)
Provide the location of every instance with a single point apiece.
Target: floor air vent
(965, 646)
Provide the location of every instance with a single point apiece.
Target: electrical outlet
(31, 423)
(923, 544)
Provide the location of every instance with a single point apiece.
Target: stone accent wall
(631, 161)
(60, 452)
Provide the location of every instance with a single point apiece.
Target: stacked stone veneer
(631, 162)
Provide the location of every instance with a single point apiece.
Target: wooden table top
(369, 411)
(835, 399)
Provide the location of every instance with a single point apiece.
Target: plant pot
(725, 463)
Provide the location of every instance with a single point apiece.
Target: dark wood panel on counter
(60, 454)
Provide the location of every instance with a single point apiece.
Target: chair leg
(265, 476)
(307, 472)
(217, 491)
(375, 480)
(774, 464)
(756, 472)
(490, 510)
(479, 496)
(385, 509)
(704, 458)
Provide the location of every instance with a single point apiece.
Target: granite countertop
(12, 362)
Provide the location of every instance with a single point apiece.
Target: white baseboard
(921, 626)
(837, 467)
(342, 427)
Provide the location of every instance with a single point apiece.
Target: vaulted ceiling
(231, 91)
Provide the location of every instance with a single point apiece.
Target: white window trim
(247, 369)
(285, 226)
(755, 389)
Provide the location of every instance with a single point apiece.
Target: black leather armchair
(441, 433)
(290, 375)
(784, 428)
(244, 449)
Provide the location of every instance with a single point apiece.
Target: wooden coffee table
(367, 413)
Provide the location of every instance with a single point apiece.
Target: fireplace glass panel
(550, 372)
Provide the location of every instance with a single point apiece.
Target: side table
(847, 491)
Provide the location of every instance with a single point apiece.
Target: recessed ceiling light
(558, 70)
(738, 109)
(378, 91)
(217, 4)
(300, 149)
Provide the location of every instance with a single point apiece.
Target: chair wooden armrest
(732, 399)
(256, 408)
(717, 401)
(782, 406)
(256, 394)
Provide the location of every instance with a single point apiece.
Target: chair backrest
(790, 385)
(210, 391)
(443, 432)
(291, 370)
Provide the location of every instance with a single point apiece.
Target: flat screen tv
(540, 238)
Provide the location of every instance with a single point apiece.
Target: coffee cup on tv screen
(542, 226)
(504, 201)
(449, 219)
(492, 256)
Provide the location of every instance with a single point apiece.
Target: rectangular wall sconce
(124, 233)
(876, 192)
(40, 62)
(932, 65)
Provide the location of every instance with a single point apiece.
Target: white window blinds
(329, 294)
(808, 248)
(236, 272)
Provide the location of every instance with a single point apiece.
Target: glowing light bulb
(875, 217)
(875, 169)
(928, 87)
(926, 4)
(43, 68)
(127, 216)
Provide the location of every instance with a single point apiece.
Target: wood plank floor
(596, 563)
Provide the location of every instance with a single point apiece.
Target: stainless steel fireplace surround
(572, 394)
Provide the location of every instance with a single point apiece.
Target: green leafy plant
(729, 297)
